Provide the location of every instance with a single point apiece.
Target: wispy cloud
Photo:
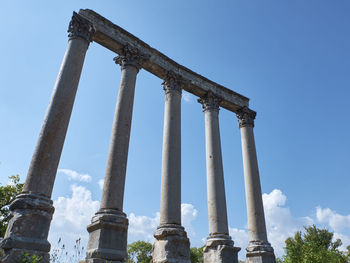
(188, 97)
(336, 221)
(100, 183)
(75, 176)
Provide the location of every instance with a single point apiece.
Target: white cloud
(74, 213)
(240, 237)
(71, 217)
(280, 223)
(75, 176)
(76, 210)
(143, 227)
(345, 240)
(188, 97)
(100, 183)
(336, 221)
(188, 214)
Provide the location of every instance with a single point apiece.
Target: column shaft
(219, 246)
(109, 226)
(171, 244)
(259, 249)
(32, 210)
(215, 176)
(255, 208)
(43, 167)
(114, 183)
(170, 208)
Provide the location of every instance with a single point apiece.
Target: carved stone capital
(245, 117)
(80, 27)
(210, 102)
(172, 83)
(130, 56)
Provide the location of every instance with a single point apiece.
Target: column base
(260, 252)
(171, 245)
(28, 228)
(219, 249)
(107, 237)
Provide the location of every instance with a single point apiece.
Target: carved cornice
(172, 83)
(80, 27)
(245, 117)
(210, 102)
(130, 56)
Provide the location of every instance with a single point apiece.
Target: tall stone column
(219, 246)
(109, 226)
(259, 249)
(32, 210)
(171, 244)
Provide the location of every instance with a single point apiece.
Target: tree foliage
(314, 246)
(7, 195)
(196, 254)
(140, 252)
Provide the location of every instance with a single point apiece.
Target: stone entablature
(115, 38)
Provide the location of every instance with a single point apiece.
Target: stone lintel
(115, 38)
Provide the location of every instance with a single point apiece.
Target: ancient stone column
(259, 249)
(108, 229)
(171, 244)
(219, 245)
(32, 210)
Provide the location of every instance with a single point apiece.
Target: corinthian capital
(245, 117)
(172, 83)
(80, 27)
(130, 56)
(210, 102)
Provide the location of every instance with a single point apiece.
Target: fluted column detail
(259, 249)
(219, 246)
(172, 244)
(108, 230)
(32, 210)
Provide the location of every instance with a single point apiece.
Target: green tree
(196, 254)
(314, 246)
(140, 252)
(7, 195)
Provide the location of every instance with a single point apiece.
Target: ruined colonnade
(32, 210)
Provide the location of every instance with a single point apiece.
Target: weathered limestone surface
(219, 246)
(259, 249)
(32, 210)
(115, 38)
(108, 230)
(171, 244)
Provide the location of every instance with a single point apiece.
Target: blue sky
(291, 58)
